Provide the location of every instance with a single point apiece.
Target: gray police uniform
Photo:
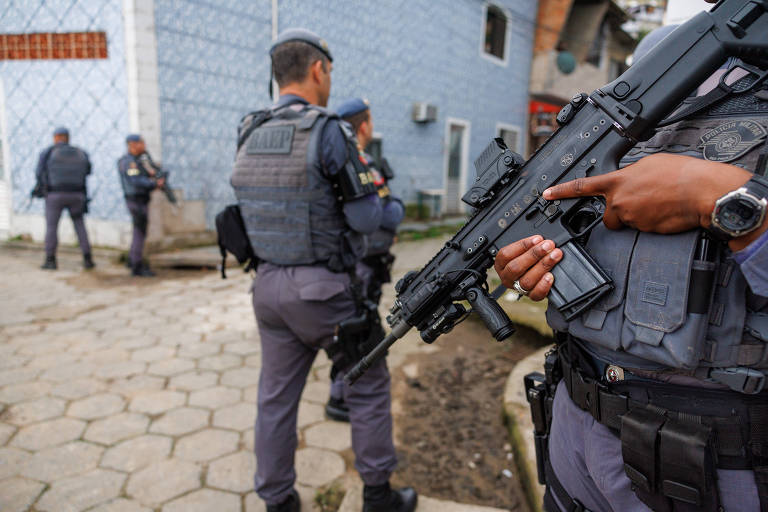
(284, 178)
(683, 317)
(63, 169)
(137, 185)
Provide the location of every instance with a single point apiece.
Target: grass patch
(431, 232)
(329, 499)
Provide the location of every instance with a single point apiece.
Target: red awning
(535, 107)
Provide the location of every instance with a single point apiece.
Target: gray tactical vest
(657, 317)
(67, 168)
(289, 206)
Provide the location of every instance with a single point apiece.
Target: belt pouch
(640, 447)
(687, 465)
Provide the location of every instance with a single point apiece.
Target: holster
(540, 393)
(355, 337)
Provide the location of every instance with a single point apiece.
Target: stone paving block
(163, 481)
(136, 453)
(78, 388)
(120, 370)
(181, 421)
(253, 360)
(331, 435)
(240, 416)
(18, 375)
(50, 360)
(15, 393)
(225, 336)
(44, 346)
(240, 377)
(48, 433)
(18, 494)
(233, 472)
(134, 343)
(33, 411)
(205, 327)
(107, 356)
(62, 461)
(137, 384)
(170, 367)
(243, 348)
(96, 406)
(251, 394)
(317, 392)
(200, 349)
(247, 439)
(68, 372)
(205, 500)
(156, 402)
(11, 461)
(81, 492)
(116, 428)
(9, 361)
(315, 467)
(220, 362)
(121, 505)
(310, 413)
(207, 444)
(194, 380)
(157, 353)
(214, 398)
(6, 431)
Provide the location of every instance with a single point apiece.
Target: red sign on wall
(53, 45)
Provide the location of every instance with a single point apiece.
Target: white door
(457, 145)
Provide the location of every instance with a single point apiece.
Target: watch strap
(757, 186)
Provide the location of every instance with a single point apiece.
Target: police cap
(61, 130)
(303, 35)
(353, 106)
(133, 137)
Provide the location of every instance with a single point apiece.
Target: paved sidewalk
(128, 395)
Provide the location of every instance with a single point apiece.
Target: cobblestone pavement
(119, 395)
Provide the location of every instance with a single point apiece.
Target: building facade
(183, 72)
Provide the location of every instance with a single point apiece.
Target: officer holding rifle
(685, 241)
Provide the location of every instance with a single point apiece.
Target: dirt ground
(453, 442)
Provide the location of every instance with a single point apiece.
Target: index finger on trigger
(580, 187)
(515, 249)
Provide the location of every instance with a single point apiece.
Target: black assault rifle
(595, 132)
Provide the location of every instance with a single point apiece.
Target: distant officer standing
(137, 176)
(378, 259)
(307, 203)
(61, 174)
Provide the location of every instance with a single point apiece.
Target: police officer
(138, 179)
(378, 259)
(61, 174)
(662, 403)
(307, 204)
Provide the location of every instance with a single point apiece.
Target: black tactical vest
(67, 168)
(659, 316)
(289, 206)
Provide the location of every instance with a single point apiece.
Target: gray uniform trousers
(296, 310)
(55, 203)
(139, 215)
(586, 457)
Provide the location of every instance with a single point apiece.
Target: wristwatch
(740, 211)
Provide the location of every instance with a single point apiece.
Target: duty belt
(608, 403)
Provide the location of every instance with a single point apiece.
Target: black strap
(758, 417)
(762, 161)
(555, 487)
(259, 118)
(720, 92)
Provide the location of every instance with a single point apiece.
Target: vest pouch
(602, 323)
(727, 318)
(658, 324)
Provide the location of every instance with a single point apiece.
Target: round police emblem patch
(732, 140)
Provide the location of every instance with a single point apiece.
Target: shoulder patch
(732, 140)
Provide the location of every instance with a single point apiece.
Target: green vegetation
(329, 499)
(431, 232)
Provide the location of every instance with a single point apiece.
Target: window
(595, 55)
(495, 32)
(511, 136)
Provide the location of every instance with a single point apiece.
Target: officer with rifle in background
(61, 175)
(138, 176)
(660, 398)
(378, 260)
(307, 202)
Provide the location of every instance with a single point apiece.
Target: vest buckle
(743, 380)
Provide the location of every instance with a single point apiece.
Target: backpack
(232, 237)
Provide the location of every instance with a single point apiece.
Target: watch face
(738, 214)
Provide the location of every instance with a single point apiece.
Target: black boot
(381, 498)
(337, 410)
(88, 263)
(141, 270)
(291, 504)
(49, 263)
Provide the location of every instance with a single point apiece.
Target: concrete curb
(518, 415)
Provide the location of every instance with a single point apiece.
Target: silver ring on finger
(518, 289)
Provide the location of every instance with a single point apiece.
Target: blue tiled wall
(87, 96)
(213, 68)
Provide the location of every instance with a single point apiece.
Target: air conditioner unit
(424, 113)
